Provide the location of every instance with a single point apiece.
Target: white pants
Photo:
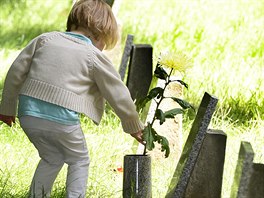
(57, 144)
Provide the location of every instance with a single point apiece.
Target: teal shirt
(34, 107)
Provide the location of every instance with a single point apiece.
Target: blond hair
(97, 17)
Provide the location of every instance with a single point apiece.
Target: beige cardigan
(68, 72)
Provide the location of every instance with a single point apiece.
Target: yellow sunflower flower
(177, 61)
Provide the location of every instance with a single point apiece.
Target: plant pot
(137, 176)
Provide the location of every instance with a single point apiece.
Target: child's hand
(7, 119)
(138, 136)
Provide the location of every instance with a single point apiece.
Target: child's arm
(117, 94)
(16, 75)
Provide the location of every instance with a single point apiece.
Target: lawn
(226, 42)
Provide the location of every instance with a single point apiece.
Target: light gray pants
(57, 144)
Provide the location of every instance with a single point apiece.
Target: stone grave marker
(206, 178)
(256, 183)
(249, 176)
(110, 2)
(126, 56)
(137, 176)
(140, 70)
(192, 147)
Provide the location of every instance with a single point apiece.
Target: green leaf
(155, 92)
(164, 145)
(160, 72)
(149, 137)
(173, 112)
(184, 104)
(141, 103)
(183, 83)
(160, 116)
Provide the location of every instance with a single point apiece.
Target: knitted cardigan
(66, 71)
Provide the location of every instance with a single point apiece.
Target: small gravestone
(140, 70)
(137, 176)
(126, 56)
(192, 147)
(206, 178)
(249, 177)
(256, 183)
(110, 2)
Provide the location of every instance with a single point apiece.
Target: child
(58, 76)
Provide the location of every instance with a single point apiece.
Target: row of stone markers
(199, 172)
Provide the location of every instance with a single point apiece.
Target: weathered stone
(207, 175)
(244, 164)
(126, 56)
(249, 177)
(140, 70)
(256, 183)
(137, 176)
(192, 147)
(110, 2)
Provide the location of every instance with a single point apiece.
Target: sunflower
(176, 61)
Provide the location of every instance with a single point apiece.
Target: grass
(29, 20)
(226, 41)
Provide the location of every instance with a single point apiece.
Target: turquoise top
(34, 107)
(79, 36)
(38, 108)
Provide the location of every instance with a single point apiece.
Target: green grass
(225, 40)
(23, 20)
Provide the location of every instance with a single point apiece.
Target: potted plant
(137, 168)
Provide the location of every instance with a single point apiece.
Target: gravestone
(256, 183)
(206, 178)
(249, 176)
(138, 58)
(192, 147)
(137, 176)
(110, 2)
(140, 70)
(126, 56)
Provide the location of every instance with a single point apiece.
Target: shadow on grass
(241, 111)
(19, 38)
(247, 111)
(20, 24)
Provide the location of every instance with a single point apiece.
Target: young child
(58, 76)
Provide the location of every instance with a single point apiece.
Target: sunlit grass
(22, 20)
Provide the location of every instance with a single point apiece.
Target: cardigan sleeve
(117, 94)
(15, 77)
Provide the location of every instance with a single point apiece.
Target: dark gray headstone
(110, 2)
(192, 147)
(256, 183)
(137, 176)
(126, 56)
(206, 178)
(249, 177)
(140, 70)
